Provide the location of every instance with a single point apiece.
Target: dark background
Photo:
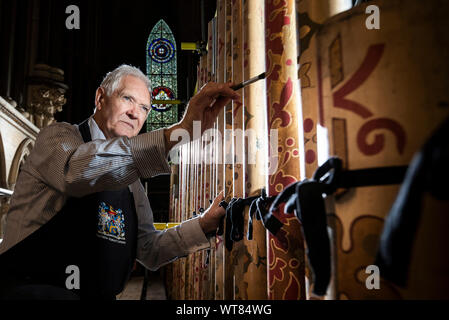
(111, 33)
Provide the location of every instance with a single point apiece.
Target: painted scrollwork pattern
(286, 251)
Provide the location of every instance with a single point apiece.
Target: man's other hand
(210, 219)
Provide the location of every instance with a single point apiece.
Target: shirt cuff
(193, 235)
(148, 151)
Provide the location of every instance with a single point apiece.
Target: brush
(235, 88)
(248, 82)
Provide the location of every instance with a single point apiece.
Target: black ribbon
(235, 221)
(236, 208)
(306, 200)
(427, 174)
(259, 207)
(220, 230)
(235, 218)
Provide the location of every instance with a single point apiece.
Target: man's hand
(210, 219)
(204, 107)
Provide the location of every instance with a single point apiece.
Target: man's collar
(95, 130)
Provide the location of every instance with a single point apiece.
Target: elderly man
(79, 208)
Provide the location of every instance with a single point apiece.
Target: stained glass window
(162, 71)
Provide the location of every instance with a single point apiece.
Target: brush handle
(248, 82)
(238, 86)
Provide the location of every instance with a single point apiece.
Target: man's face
(125, 111)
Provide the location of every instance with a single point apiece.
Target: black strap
(311, 211)
(83, 127)
(228, 241)
(332, 174)
(234, 220)
(236, 209)
(220, 230)
(260, 207)
(372, 177)
(428, 174)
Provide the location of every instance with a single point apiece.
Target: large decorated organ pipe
(228, 153)
(237, 250)
(285, 249)
(381, 97)
(210, 150)
(220, 183)
(253, 285)
(344, 144)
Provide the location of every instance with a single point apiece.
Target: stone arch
(20, 157)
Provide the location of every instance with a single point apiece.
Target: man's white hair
(112, 80)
